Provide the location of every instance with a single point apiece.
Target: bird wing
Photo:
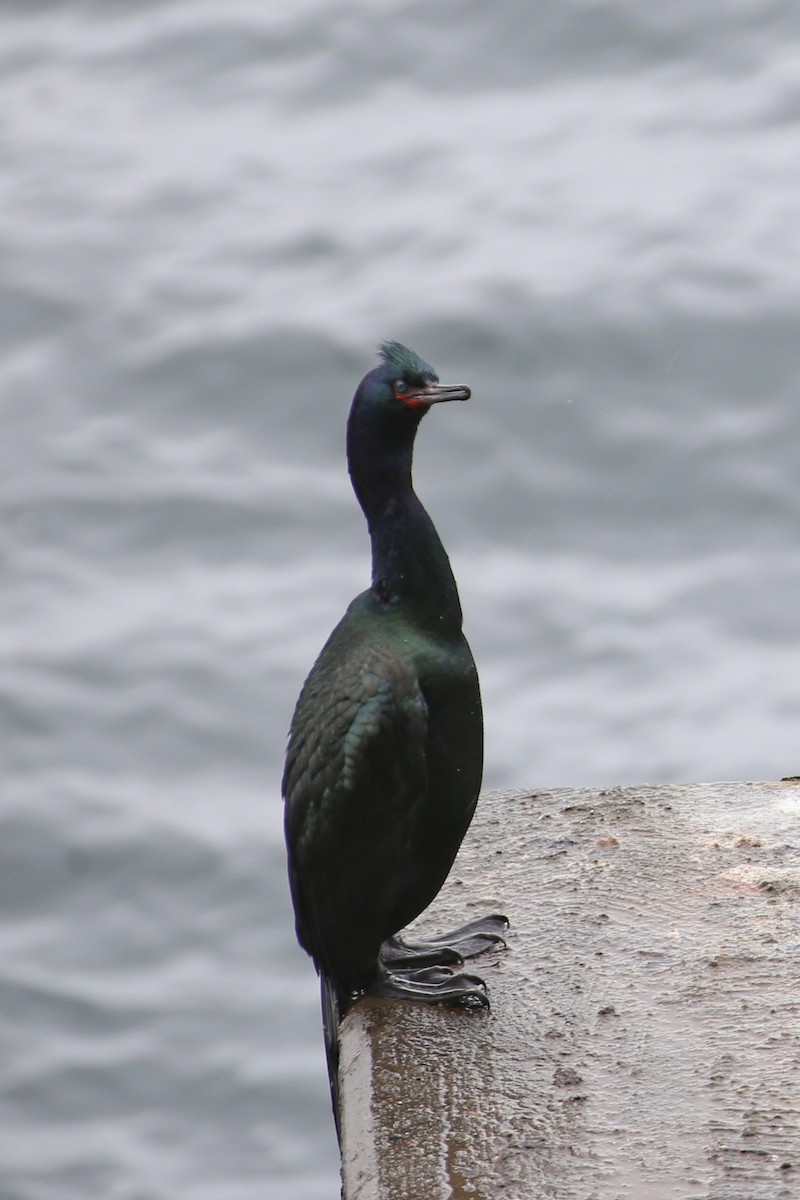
(354, 782)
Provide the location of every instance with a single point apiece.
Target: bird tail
(331, 1017)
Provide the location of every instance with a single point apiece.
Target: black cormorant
(386, 746)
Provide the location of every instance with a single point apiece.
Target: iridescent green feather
(408, 364)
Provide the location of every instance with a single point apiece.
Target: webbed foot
(445, 949)
(430, 985)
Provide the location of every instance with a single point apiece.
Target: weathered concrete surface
(644, 1036)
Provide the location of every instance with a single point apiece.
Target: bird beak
(437, 393)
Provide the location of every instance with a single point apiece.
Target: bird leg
(445, 949)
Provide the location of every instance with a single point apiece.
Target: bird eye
(401, 386)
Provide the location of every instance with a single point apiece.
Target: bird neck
(410, 567)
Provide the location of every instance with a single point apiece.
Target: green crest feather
(409, 365)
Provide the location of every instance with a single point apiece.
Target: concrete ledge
(644, 1036)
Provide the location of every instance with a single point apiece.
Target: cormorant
(386, 745)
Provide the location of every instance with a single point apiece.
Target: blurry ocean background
(587, 210)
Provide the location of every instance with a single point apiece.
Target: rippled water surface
(210, 215)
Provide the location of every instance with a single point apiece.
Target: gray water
(209, 217)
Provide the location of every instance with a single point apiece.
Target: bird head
(410, 381)
(402, 386)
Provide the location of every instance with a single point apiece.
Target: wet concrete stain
(644, 1035)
